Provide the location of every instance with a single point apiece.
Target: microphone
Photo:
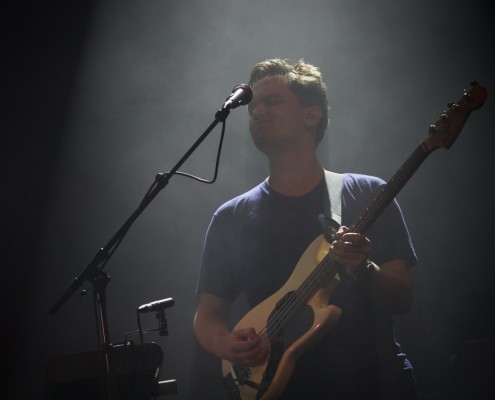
(240, 96)
(158, 305)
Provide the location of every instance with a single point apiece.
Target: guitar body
(310, 322)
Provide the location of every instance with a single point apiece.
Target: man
(255, 240)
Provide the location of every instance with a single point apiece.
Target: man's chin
(263, 145)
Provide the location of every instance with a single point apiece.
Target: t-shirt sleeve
(217, 271)
(389, 235)
(392, 237)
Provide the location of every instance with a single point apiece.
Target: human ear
(313, 115)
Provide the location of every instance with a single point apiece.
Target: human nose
(257, 109)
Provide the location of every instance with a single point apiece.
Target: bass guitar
(299, 314)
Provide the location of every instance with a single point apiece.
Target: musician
(255, 240)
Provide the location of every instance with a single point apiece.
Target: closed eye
(269, 100)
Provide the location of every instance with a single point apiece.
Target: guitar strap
(332, 205)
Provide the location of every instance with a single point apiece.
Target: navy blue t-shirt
(255, 240)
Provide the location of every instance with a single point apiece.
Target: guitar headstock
(444, 132)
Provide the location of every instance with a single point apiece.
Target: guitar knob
(433, 129)
(452, 105)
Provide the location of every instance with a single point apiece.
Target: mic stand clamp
(162, 323)
(222, 114)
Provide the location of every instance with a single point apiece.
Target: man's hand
(244, 347)
(241, 346)
(351, 250)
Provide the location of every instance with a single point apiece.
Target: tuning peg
(473, 83)
(452, 105)
(433, 129)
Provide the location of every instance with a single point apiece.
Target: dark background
(103, 95)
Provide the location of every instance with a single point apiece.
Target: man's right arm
(240, 347)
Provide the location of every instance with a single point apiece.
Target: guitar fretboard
(388, 192)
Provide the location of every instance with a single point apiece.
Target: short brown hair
(304, 79)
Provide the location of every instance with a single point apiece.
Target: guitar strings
(298, 299)
(304, 293)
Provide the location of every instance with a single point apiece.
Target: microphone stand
(95, 274)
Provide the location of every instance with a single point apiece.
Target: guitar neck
(388, 192)
(442, 134)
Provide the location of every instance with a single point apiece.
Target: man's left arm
(391, 280)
